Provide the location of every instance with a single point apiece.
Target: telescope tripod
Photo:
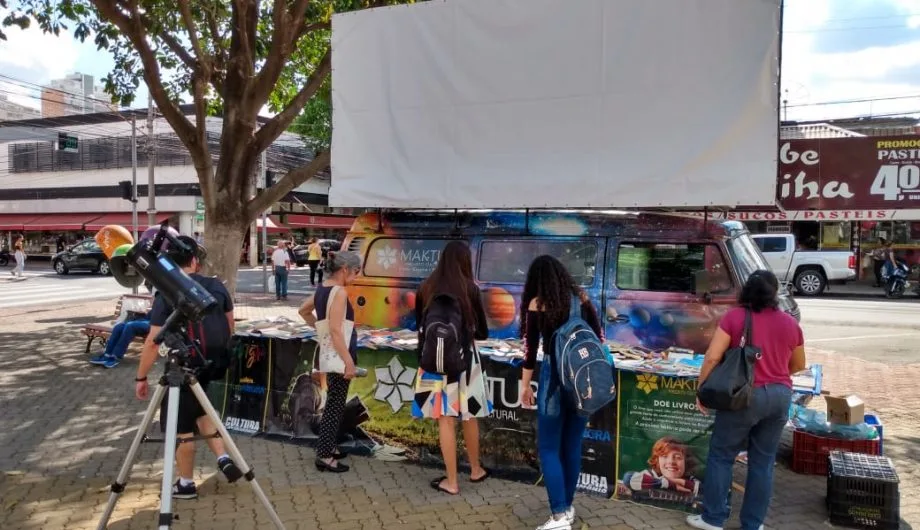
(172, 381)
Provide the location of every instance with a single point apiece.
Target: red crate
(809, 452)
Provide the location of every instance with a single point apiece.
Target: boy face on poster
(671, 463)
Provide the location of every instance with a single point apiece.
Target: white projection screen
(556, 103)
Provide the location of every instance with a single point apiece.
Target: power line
(849, 101)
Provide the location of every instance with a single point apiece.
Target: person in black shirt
(465, 397)
(546, 305)
(213, 333)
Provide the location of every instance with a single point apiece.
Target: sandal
(436, 485)
(487, 474)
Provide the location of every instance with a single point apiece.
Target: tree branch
(275, 126)
(204, 59)
(220, 55)
(287, 184)
(133, 28)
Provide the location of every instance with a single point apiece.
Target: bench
(130, 303)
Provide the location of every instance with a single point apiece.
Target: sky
(833, 51)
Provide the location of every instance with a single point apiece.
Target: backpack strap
(575, 310)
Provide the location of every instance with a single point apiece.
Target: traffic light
(127, 190)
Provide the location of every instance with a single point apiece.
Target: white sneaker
(570, 515)
(556, 524)
(696, 521)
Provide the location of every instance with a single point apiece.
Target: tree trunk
(224, 242)
(225, 227)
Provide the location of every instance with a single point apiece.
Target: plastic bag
(815, 422)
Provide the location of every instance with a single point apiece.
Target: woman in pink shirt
(759, 427)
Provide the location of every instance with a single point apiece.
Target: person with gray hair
(341, 269)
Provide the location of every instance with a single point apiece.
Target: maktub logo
(647, 383)
(386, 257)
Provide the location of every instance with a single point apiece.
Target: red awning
(59, 221)
(124, 219)
(320, 221)
(15, 221)
(272, 225)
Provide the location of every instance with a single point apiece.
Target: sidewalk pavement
(66, 425)
(863, 289)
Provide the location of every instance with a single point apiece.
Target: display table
(271, 389)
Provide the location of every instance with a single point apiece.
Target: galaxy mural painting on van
(400, 249)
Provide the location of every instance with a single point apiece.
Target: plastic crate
(862, 491)
(873, 420)
(809, 452)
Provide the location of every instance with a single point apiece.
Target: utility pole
(262, 172)
(151, 191)
(134, 182)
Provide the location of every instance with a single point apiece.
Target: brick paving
(64, 427)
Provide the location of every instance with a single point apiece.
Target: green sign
(199, 206)
(68, 144)
(663, 441)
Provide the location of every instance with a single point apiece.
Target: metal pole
(151, 192)
(134, 182)
(262, 164)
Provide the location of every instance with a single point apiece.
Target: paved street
(250, 281)
(42, 287)
(65, 427)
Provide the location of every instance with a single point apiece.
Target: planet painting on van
(500, 306)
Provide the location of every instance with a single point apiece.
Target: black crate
(862, 491)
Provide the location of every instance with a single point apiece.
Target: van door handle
(619, 319)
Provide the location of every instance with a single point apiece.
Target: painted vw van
(659, 280)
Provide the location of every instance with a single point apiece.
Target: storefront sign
(816, 215)
(849, 173)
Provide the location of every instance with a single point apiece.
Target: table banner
(663, 441)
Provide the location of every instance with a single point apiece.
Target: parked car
(301, 251)
(809, 271)
(658, 280)
(86, 256)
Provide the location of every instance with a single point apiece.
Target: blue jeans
(758, 429)
(281, 280)
(559, 433)
(122, 335)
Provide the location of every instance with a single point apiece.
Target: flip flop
(487, 474)
(436, 485)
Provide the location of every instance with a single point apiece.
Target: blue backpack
(584, 363)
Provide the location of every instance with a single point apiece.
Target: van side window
(403, 257)
(674, 268)
(508, 261)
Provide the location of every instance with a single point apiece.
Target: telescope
(151, 259)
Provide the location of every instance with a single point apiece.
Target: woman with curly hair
(546, 305)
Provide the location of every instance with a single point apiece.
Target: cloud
(38, 57)
(839, 50)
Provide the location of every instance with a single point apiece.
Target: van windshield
(746, 256)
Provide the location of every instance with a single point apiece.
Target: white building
(10, 110)
(45, 190)
(75, 94)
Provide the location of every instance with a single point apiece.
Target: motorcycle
(4, 257)
(895, 280)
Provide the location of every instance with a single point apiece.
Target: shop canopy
(319, 221)
(59, 221)
(123, 219)
(272, 225)
(15, 221)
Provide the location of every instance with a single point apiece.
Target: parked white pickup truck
(809, 271)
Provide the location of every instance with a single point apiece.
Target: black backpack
(441, 327)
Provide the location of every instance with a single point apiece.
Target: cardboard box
(845, 410)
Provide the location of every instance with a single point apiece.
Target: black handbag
(730, 385)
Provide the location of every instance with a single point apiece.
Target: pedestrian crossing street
(45, 288)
